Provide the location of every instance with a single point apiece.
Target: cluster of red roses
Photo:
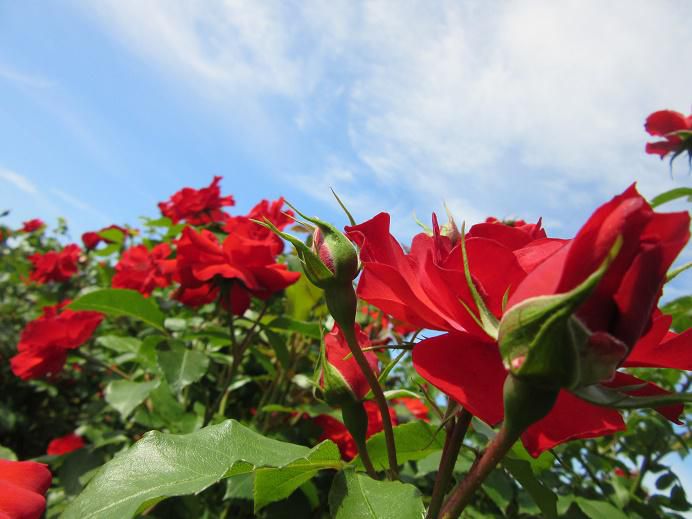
(242, 266)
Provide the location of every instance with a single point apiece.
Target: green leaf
(7, 454)
(355, 495)
(182, 366)
(301, 298)
(162, 465)
(544, 497)
(414, 441)
(120, 344)
(681, 311)
(124, 395)
(275, 484)
(287, 324)
(120, 301)
(114, 235)
(673, 194)
(599, 509)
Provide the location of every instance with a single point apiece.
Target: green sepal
(316, 271)
(614, 397)
(541, 339)
(487, 321)
(356, 421)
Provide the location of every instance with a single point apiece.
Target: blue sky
(511, 109)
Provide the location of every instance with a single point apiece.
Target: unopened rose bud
(341, 379)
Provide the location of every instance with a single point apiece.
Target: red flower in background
(65, 444)
(415, 406)
(334, 430)
(666, 124)
(143, 270)
(272, 211)
(244, 265)
(44, 342)
(32, 225)
(427, 287)
(92, 239)
(197, 206)
(22, 487)
(55, 265)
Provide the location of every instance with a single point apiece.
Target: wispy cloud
(19, 181)
(22, 78)
(80, 205)
(533, 107)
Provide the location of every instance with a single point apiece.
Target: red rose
(197, 206)
(32, 225)
(54, 265)
(425, 287)
(44, 342)
(22, 487)
(669, 124)
(143, 270)
(334, 430)
(345, 380)
(272, 211)
(245, 265)
(92, 239)
(65, 444)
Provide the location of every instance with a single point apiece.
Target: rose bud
(340, 378)
(331, 263)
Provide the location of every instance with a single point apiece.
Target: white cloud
(80, 205)
(11, 74)
(533, 107)
(19, 181)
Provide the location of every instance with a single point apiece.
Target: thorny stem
(463, 492)
(380, 400)
(450, 452)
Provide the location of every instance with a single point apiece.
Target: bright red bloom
(427, 287)
(32, 225)
(197, 206)
(55, 265)
(143, 270)
(45, 341)
(338, 355)
(334, 430)
(272, 211)
(382, 323)
(666, 123)
(65, 444)
(245, 265)
(92, 239)
(22, 487)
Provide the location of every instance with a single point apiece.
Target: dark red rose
(426, 288)
(44, 342)
(674, 127)
(92, 239)
(65, 444)
(197, 206)
(272, 211)
(334, 430)
(142, 269)
(55, 265)
(243, 265)
(32, 225)
(23, 485)
(347, 381)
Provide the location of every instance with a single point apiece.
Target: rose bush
(196, 368)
